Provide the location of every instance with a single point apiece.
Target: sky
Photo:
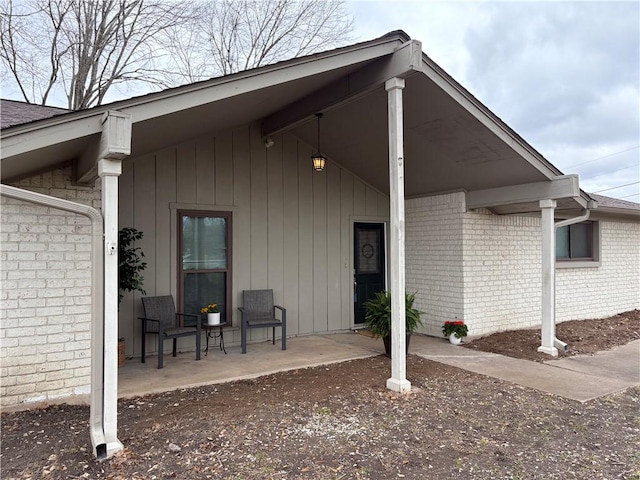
(564, 75)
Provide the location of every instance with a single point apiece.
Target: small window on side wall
(577, 242)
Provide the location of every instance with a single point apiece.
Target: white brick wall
(613, 287)
(502, 271)
(433, 246)
(46, 294)
(492, 279)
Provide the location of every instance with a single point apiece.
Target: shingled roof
(614, 202)
(13, 112)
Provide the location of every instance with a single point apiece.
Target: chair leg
(198, 338)
(243, 337)
(143, 349)
(284, 331)
(175, 347)
(273, 335)
(160, 352)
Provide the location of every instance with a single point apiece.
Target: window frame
(594, 240)
(228, 215)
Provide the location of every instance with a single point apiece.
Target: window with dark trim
(576, 242)
(204, 261)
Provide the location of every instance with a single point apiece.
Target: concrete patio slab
(579, 378)
(184, 371)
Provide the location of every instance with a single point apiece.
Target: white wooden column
(398, 381)
(548, 278)
(109, 170)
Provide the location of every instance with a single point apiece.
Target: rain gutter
(96, 427)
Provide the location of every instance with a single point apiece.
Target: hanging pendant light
(319, 161)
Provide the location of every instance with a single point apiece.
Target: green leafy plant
(130, 263)
(456, 327)
(378, 314)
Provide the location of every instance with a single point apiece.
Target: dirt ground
(339, 422)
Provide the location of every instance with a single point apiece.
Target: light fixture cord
(319, 115)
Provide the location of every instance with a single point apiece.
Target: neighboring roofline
(616, 206)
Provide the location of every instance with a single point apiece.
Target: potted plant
(130, 267)
(213, 314)
(456, 330)
(378, 317)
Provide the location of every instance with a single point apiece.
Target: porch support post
(109, 170)
(548, 278)
(398, 381)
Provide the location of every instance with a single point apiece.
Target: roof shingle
(13, 112)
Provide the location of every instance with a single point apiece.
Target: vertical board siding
(334, 231)
(144, 174)
(127, 317)
(291, 225)
(320, 251)
(241, 158)
(305, 237)
(259, 210)
(205, 178)
(291, 235)
(224, 169)
(186, 173)
(346, 210)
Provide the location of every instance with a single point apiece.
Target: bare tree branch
(83, 48)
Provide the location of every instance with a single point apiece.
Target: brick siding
(492, 279)
(45, 321)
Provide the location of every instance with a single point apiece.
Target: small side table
(211, 333)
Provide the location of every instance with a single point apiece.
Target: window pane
(581, 240)
(368, 252)
(201, 289)
(204, 243)
(562, 242)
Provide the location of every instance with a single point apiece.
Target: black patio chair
(258, 311)
(161, 319)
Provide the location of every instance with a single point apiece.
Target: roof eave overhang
(487, 118)
(64, 128)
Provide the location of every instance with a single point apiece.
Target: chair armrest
(148, 319)
(144, 324)
(196, 316)
(282, 309)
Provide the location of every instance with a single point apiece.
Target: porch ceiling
(446, 148)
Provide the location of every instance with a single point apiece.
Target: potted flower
(213, 314)
(378, 318)
(456, 330)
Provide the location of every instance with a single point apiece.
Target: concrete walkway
(581, 378)
(578, 378)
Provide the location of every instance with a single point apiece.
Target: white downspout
(559, 344)
(96, 412)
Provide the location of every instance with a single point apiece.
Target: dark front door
(369, 265)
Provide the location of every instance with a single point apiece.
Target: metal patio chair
(161, 319)
(258, 311)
